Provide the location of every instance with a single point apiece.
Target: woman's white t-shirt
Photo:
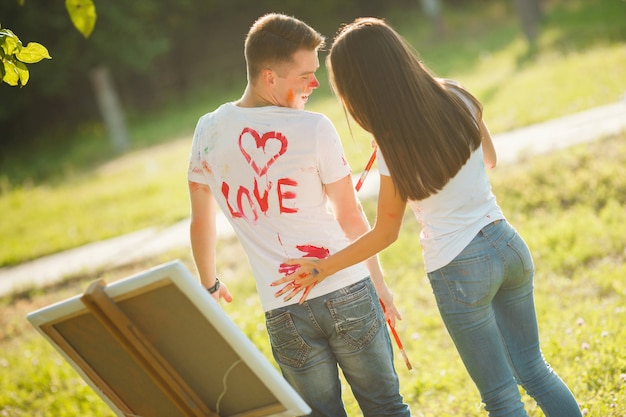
(266, 167)
(452, 217)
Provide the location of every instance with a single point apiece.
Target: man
(273, 169)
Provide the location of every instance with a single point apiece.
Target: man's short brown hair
(274, 38)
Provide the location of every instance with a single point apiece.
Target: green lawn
(62, 197)
(569, 206)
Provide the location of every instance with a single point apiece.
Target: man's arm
(203, 236)
(349, 213)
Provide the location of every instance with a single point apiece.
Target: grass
(141, 189)
(567, 205)
(61, 197)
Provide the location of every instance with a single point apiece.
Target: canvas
(157, 344)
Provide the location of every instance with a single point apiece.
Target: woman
(433, 148)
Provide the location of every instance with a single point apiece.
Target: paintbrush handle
(406, 360)
(397, 338)
(366, 170)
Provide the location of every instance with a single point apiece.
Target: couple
(275, 170)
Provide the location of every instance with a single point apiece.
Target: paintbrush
(398, 342)
(366, 170)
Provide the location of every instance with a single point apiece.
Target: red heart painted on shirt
(261, 154)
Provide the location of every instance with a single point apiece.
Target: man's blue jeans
(345, 328)
(485, 297)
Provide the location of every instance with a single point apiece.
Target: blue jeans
(345, 328)
(485, 297)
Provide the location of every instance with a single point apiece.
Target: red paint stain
(261, 163)
(281, 244)
(287, 269)
(259, 198)
(284, 195)
(195, 186)
(310, 251)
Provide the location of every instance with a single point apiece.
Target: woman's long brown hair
(424, 129)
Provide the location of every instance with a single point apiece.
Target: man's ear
(268, 77)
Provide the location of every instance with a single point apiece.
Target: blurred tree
(530, 15)
(13, 71)
(61, 93)
(154, 51)
(432, 8)
(110, 108)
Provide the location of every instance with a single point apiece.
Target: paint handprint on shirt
(309, 251)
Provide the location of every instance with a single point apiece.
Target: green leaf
(22, 72)
(10, 73)
(32, 53)
(9, 42)
(83, 15)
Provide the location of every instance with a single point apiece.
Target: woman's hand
(302, 275)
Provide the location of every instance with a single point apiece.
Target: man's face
(295, 81)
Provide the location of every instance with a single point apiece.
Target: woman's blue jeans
(485, 297)
(345, 328)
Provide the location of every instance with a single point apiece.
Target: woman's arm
(349, 213)
(390, 212)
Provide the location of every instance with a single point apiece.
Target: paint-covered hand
(301, 276)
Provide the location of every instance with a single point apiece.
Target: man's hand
(222, 293)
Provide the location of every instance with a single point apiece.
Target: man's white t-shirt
(452, 217)
(266, 167)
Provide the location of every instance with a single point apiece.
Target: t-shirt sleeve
(383, 169)
(331, 158)
(460, 91)
(195, 173)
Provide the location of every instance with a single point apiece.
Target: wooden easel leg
(145, 354)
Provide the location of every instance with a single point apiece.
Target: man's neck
(252, 98)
